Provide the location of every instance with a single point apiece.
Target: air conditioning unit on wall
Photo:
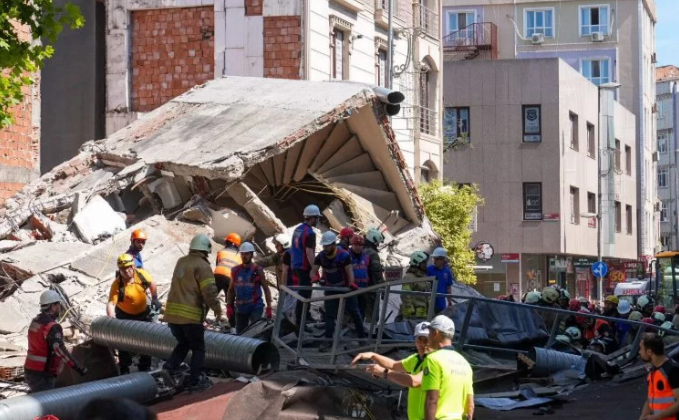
(538, 39)
(598, 36)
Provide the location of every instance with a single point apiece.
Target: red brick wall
(253, 7)
(172, 51)
(282, 46)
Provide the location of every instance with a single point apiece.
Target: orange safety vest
(226, 260)
(660, 394)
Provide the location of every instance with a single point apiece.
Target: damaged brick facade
(172, 51)
(253, 7)
(282, 46)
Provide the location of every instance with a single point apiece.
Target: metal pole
(390, 46)
(339, 321)
(599, 198)
(302, 325)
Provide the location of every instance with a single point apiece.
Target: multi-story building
(605, 40)
(667, 80)
(531, 130)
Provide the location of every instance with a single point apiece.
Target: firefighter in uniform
(128, 300)
(416, 306)
(373, 238)
(191, 291)
(244, 299)
(47, 353)
(663, 380)
(137, 242)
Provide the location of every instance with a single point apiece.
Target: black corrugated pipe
(388, 96)
(222, 351)
(66, 403)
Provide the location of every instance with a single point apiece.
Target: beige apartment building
(532, 130)
(604, 40)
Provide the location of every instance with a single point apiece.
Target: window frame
(594, 6)
(539, 9)
(628, 160)
(663, 217)
(574, 196)
(456, 12)
(575, 127)
(666, 174)
(457, 118)
(609, 77)
(618, 217)
(664, 139)
(334, 55)
(591, 140)
(378, 67)
(536, 212)
(629, 215)
(617, 156)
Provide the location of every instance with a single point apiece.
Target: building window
(618, 217)
(662, 144)
(575, 206)
(628, 160)
(663, 211)
(456, 124)
(381, 68)
(628, 216)
(532, 201)
(662, 177)
(337, 54)
(665, 241)
(459, 22)
(540, 21)
(593, 19)
(597, 71)
(591, 141)
(591, 203)
(574, 130)
(617, 155)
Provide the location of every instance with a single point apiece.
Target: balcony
(477, 39)
(428, 120)
(402, 13)
(429, 22)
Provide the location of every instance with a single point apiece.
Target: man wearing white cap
(406, 372)
(446, 376)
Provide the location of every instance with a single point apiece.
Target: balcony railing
(428, 120)
(429, 21)
(472, 41)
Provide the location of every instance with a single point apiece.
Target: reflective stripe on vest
(226, 260)
(660, 393)
(40, 357)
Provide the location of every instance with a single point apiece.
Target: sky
(666, 32)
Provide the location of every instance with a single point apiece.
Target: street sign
(600, 269)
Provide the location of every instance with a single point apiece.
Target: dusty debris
(97, 220)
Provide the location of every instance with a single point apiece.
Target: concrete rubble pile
(242, 155)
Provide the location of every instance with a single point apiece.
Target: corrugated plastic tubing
(66, 403)
(551, 361)
(222, 351)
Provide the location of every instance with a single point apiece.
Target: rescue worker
(533, 297)
(137, 242)
(549, 297)
(227, 258)
(663, 380)
(564, 299)
(441, 271)
(47, 353)
(192, 289)
(303, 253)
(611, 306)
(373, 238)
(668, 339)
(623, 328)
(245, 293)
(406, 372)
(345, 238)
(658, 318)
(629, 338)
(584, 303)
(127, 299)
(446, 376)
(645, 306)
(360, 262)
(277, 259)
(337, 272)
(416, 306)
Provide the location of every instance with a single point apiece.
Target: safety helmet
(283, 239)
(660, 309)
(667, 325)
(439, 252)
(573, 333)
(533, 297)
(563, 294)
(246, 247)
(125, 260)
(644, 301)
(375, 236)
(357, 240)
(417, 258)
(581, 319)
(574, 304)
(597, 343)
(346, 232)
(49, 297)
(612, 299)
(582, 299)
(328, 238)
(657, 316)
(636, 316)
(312, 210)
(138, 234)
(563, 339)
(624, 307)
(234, 238)
(201, 242)
(550, 294)
(647, 321)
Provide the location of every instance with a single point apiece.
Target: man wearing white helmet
(280, 260)
(441, 271)
(302, 253)
(244, 299)
(406, 372)
(337, 272)
(47, 353)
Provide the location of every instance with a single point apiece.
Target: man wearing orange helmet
(137, 242)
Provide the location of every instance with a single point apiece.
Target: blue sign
(599, 269)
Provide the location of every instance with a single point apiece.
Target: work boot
(202, 384)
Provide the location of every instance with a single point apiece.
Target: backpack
(121, 286)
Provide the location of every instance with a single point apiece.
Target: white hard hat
(49, 297)
(283, 239)
(624, 307)
(246, 247)
(421, 329)
(328, 238)
(312, 211)
(533, 297)
(439, 253)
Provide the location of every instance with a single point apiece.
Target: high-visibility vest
(226, 260)
(40, 357)
(660, 394)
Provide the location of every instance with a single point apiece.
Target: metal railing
(428, 120)
(474, 39)
(429, 21)
(378, 320)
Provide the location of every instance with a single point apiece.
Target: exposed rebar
(222, 351)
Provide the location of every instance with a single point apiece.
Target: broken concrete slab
(40, 257)
(225, 221)
(265, 219)
(336, 215)
(97, 221)
(199, 212)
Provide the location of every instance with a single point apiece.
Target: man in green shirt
(406, 372)
(446, 376)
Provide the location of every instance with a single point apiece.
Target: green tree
(21, 56)
(450, 209)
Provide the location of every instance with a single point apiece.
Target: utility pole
(390, 46)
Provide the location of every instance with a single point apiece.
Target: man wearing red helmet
(346, 234)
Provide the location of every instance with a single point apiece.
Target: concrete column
(264, 218)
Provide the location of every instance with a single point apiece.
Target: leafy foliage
(450, 209)
(21, 57)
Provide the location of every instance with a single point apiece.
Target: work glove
(156, 305)
(81, 370)
(353, 286)
(316, 279)
(230, 311)
(269, 312)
